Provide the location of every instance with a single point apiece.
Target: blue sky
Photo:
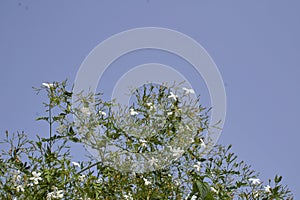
(255, 45)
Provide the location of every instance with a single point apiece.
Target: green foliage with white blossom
(44, 168)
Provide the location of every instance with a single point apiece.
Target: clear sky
(255, 45)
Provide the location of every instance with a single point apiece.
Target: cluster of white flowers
(128, 197)
(194, 197)
(186, 91)
(84, 198)
(56, 194)
(176, 152)
(16, 176)
(256, 181)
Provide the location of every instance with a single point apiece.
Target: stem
(88, 167)
(50, 139)
(50, 128)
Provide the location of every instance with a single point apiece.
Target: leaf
(71, 132)
(74, 139)
(39, 144)
(202, 190)
(42, 118)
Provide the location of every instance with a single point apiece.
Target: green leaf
(202, 190)
(42, 118)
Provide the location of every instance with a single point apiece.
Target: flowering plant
(44, 168)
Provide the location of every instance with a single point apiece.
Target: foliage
(43, 168)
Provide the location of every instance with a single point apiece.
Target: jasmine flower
(36, 177)
(81, 178)
(173, 96)
(254, 181)
(188, 91)
(267, 189)
(143, 142)
(197, 166)
(76, 164)
(48, 85)
(147, 182)
(20, 188)
(176, 152)
(102, 113)
(133, 112)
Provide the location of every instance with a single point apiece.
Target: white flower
(86, 110)
(194, 197)
(176, 182)
(59, 194)
(256, 194)
(143, 142)
(267, 189)
(133, 112)
(36, 177)
(152, 161)
(81, 178)
(254, 181)
(56, 194)
(128, 197)
(147, 182)
(98, 181)
(173, 96)
(20, 188)
(188, 91)
(102, 113)
(192, 140)
(151, 106)
(76, 164)
(176, 152)
(16, 176)
(197, 166)
(30, 184)
(213, 189)
(202, 145)
(188, 128)
(48, 85)
(169, 113)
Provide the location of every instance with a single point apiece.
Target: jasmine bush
(170, 166)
